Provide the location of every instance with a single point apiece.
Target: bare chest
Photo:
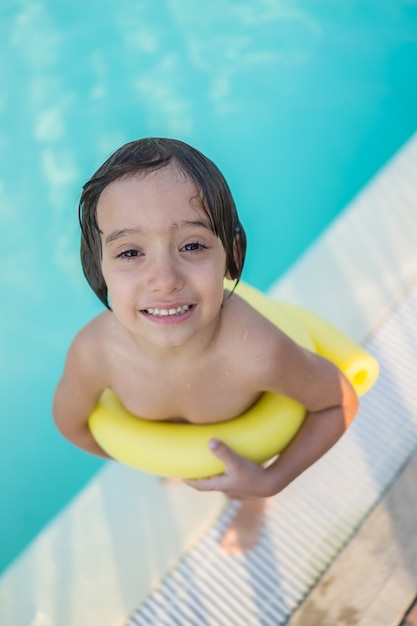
(211, 395)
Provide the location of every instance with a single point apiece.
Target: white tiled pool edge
(97, 560)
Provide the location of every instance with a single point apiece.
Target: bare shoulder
(253, 336)
(85, 374)
(90, 343)
(279, 364)
(86, 364)
(243, 316)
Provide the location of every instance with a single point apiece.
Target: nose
(164, 275)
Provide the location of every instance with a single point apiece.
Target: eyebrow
(120, 233)
(126, 232)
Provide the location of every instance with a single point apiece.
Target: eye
(129, 254)
(193, 246)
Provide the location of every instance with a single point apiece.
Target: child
(160, 232)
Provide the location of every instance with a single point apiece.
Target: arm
(331, 406)
(78, 392)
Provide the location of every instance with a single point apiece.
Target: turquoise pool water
(299, 103)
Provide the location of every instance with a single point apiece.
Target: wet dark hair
(146, 155)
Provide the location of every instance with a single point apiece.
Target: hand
(241, 478)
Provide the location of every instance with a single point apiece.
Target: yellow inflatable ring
(181, 450)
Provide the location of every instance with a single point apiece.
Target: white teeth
(165, 312)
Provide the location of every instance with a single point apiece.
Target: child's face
(162, 264)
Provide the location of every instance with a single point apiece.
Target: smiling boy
(160, 232)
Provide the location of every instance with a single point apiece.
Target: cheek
(115, 289)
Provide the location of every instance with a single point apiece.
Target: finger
(225, 454)
(216, 483)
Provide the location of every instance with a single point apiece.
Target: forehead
(169, 180)
(165, 193)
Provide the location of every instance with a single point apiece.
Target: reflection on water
(298, 103)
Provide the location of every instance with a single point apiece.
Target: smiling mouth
(179, 310)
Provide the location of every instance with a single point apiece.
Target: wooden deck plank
(374, 579)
